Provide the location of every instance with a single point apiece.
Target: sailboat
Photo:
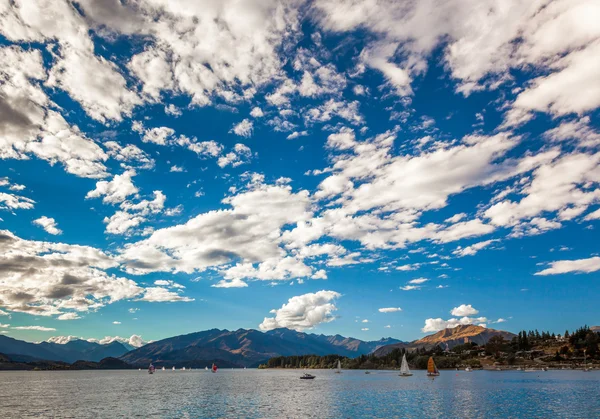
(205, 368)
(173, 368)
(163, 368)
(339, 367)
(432, 370)
(151, 369)
(183, 369)
(404, 370)
(214, 367)
(585, 368)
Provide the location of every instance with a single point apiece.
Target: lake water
(281, 394)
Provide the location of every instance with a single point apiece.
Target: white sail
(339, 366)
(404, 368)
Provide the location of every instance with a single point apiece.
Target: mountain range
(74, 350)
(239, 348)
(246, 348)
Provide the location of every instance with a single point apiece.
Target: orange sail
(431, 368)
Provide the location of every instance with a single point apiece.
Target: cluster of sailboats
(152, 368)
(432, 370)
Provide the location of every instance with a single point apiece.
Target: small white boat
(585, 367)
(404, 370)
(339, 367)
(468, 369)
(173, 368)
(206, 368)
(163, 368)
(307, 376)
(183, 369)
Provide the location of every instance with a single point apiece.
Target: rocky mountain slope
(450, 338)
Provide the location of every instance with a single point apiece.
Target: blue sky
(367, 169)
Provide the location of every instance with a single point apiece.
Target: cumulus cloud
(45, 279)
(220, 237)
(390, 309)
(48, 224)
(243, 129)
(240, 154)
(134, 340)
(303, 312)
(464, 310)
(567, 266)
(115, 190)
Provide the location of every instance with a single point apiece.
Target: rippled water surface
(281, 394)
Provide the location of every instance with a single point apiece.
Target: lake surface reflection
(281, 394)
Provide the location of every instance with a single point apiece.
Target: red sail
(214, 368)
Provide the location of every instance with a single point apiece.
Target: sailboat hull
(406, 374)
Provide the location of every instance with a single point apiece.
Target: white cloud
(68, 316)
(168, 283)
(364, 329)
(365, 321)
(116, 190)
(472, 249)
(134, 340)
(177, 169)
(567, 266)
(410, 288)
(12, 201)
(48, 224)
(243, 129)
(240, 154)
(38, 328)
(116, 322)
(418, 281)
(257, 112)
(159, 294)
(130, 156)
(62, 340)
(303, 312)
(464, 310)
(85, 77)
(390, 309)
(409, 267)
(173, 110)
(158, 135)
